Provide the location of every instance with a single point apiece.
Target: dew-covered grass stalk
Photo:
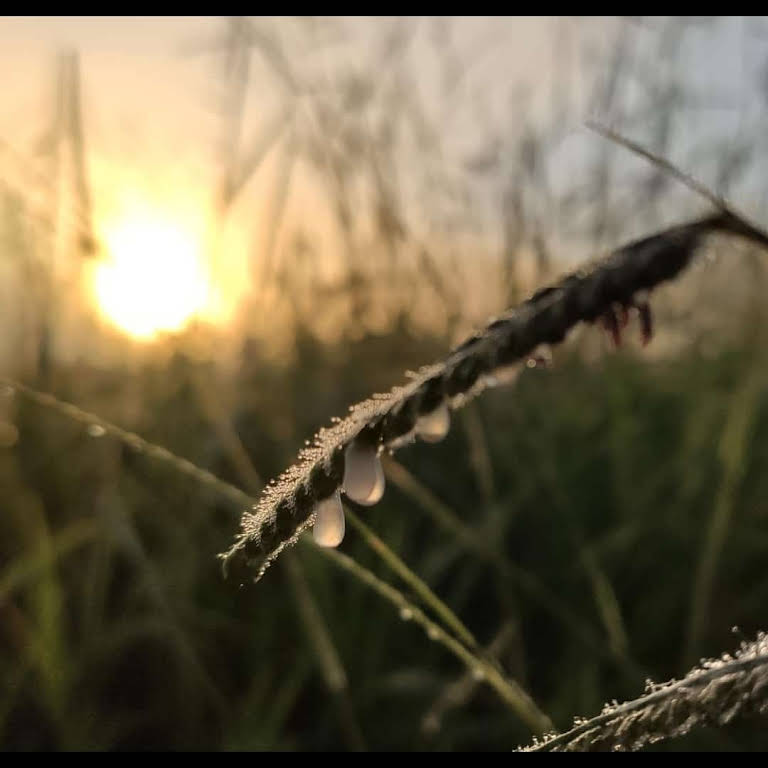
(607, 289)
(713, 694)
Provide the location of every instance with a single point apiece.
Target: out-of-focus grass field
(597, 483)
(607, 524)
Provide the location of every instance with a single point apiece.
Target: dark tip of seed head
(252, 548)
(619, 286)
(400, 420)
(470, 342)
(303, 498)
(268, 535)
(542, 293)
(675, 256)
(430, 395)
(464, 375)
(551, 325)
(322, 480)
(369, 436)
(284, 519)
(375, 430)
(646, 322)
(336, 464)
(598, 296)
(516, 345)
(236, 567)
(570, 301)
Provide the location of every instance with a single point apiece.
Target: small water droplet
(329, 522)
(406, 614)
(541, 357)
(363, 474)
(478, 674)
(433, 427)
(96, 430)
(433, 633)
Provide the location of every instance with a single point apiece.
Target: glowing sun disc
(154, 279)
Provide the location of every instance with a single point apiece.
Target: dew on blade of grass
(540, 358)
(433, 426)
(363, 474)
(96, 430)
(478, 674)
(406, 614)
(329, 522)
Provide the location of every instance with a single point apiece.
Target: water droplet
(478, 674)
(96, 430)
(363, 475)
(406, 614)
(541, 357)
(433, 633)
(433, 427)
(329, 522)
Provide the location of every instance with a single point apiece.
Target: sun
(154, 279)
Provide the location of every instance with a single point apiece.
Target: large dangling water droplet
(433, 426)
(329, 522)
(363, 474)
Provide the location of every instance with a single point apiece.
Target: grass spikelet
(712, 694)
(622, 279)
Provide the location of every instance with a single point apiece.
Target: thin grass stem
(421, 588)
(508, 690)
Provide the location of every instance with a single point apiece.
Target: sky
(155, 126)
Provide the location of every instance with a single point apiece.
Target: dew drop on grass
(329, 522)
(541, 357)
(406, 614)
(96, 430)
(478, 674)
(433, 427)
(363, 475)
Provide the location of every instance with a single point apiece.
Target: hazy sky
(150, 102)
(153, 91)
(141, 80)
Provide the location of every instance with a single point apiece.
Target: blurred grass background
(600, 523)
